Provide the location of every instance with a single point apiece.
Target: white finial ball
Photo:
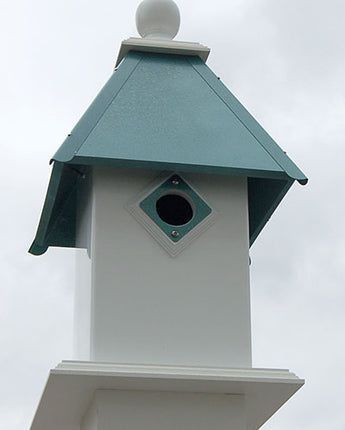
(157, 19)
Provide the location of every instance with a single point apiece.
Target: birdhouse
(164, 184)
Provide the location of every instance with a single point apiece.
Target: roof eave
(181, 167)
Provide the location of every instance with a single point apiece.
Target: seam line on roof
(104, 110)
(216, 92)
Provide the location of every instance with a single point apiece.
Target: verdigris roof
(165, 112)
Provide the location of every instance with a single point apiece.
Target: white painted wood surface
(154, 410)
(71, 387)
(147, 307)
(82, 295)
(162, 46)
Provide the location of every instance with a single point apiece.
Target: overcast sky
(285, 61)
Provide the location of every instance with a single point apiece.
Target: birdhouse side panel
(82, 296)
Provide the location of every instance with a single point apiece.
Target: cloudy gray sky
(285, 61)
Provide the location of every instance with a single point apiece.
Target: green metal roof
(165, 112)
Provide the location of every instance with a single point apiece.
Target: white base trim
(71, 386)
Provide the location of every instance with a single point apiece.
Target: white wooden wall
(147, 307)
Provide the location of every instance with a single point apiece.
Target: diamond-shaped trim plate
(171, 237)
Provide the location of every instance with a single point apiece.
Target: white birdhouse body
(164, 183)
(147, 306)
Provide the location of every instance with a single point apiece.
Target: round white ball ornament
(158, 19)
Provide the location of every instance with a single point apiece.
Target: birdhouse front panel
(150, 306)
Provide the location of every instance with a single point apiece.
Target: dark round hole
(174, 209)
